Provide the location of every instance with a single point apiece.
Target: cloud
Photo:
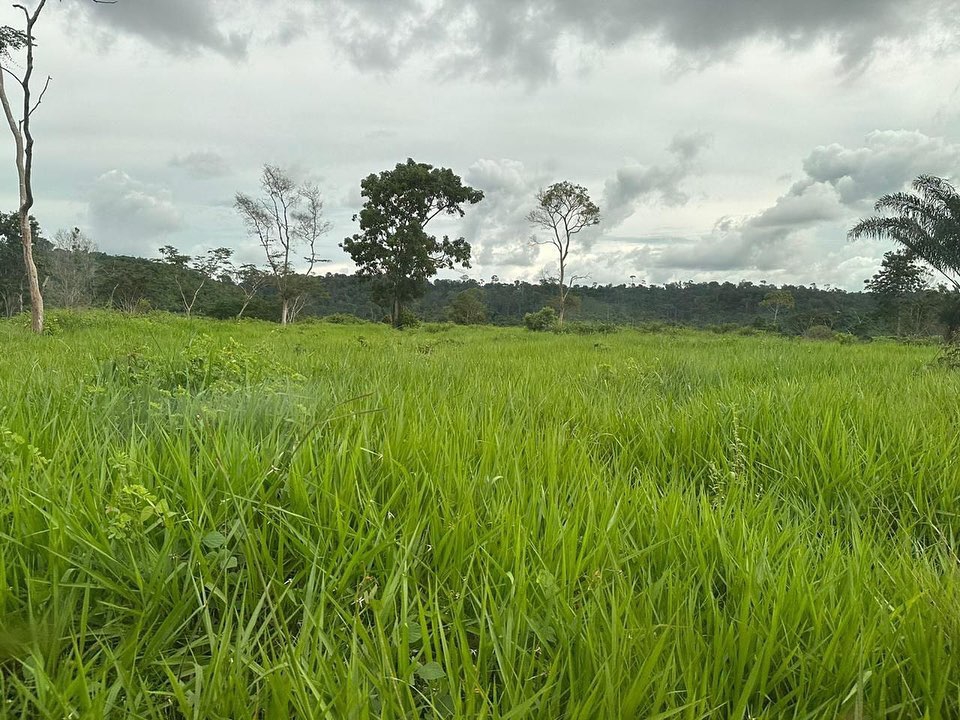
(498, 227)
(804, 232)
(636, 183)
(203, 165)
(124, 212)
(182, 27)
(519, 38)
(885, 161)
(526, 37)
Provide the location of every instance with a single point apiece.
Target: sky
(734, 140)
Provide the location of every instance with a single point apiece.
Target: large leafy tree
(563, 210)
(925, 222)
(393, 247)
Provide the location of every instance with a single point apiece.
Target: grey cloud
(524, 37)
(519, 38)
(203, 165)
(179, 26)
(636, 183)
(124, 211)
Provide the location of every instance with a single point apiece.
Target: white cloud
(125, 212)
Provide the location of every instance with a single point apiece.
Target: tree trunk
(285, 312)
(36, 298)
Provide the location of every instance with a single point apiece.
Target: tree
(563, 209)
(393, 247)
(249, 279)
(897, 286)
(12, 39)
(778, 300)
(925, 222)
(73, 268)
(13, 275)
(287, 219)
(468, 308)
(191, 274)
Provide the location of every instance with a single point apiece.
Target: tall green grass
(206, 520)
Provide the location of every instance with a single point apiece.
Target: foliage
(393, 248)
(563, 210)
(203, 364)
(586, 328)
(925, 222)
(542, 320)
(285, 220)
(778, 300)
(343, 319)
(819, 332)
(467, 308)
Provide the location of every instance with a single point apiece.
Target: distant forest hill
(75, 276)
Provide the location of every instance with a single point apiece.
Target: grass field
(212, 520)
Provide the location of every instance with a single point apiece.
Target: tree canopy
(926, 222)
(393, 247)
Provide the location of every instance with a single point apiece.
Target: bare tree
(563, 209)
(286, 219)
(191, 274)
(249, 279)
(73, 268)
(12, 39)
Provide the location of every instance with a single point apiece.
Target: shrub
(202, 365)
(343, 319)
(467, 308)
(818, 332)
(408, 319)
(587, 328)
(541, 321)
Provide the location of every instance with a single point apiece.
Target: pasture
(205, 519)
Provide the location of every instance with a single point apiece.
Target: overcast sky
(722, 140)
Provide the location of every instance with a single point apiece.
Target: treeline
(78, 276)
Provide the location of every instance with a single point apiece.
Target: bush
(343, 319)
(541, 321)
(467, 308)
(203, 364)
(408, 319)
(587, 328)
(818, 332)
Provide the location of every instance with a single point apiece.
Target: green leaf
(430, 672)
(214, 540)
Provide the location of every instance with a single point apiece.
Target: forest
(76, 275)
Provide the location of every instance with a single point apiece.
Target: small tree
(191, 274)
(393, 247)
(73, 268)
(896, 286)
(285, 220)
(468, 308)
(778, 300)
(249, 279)
(563, 209)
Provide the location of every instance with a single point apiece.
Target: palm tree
(926, 222)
